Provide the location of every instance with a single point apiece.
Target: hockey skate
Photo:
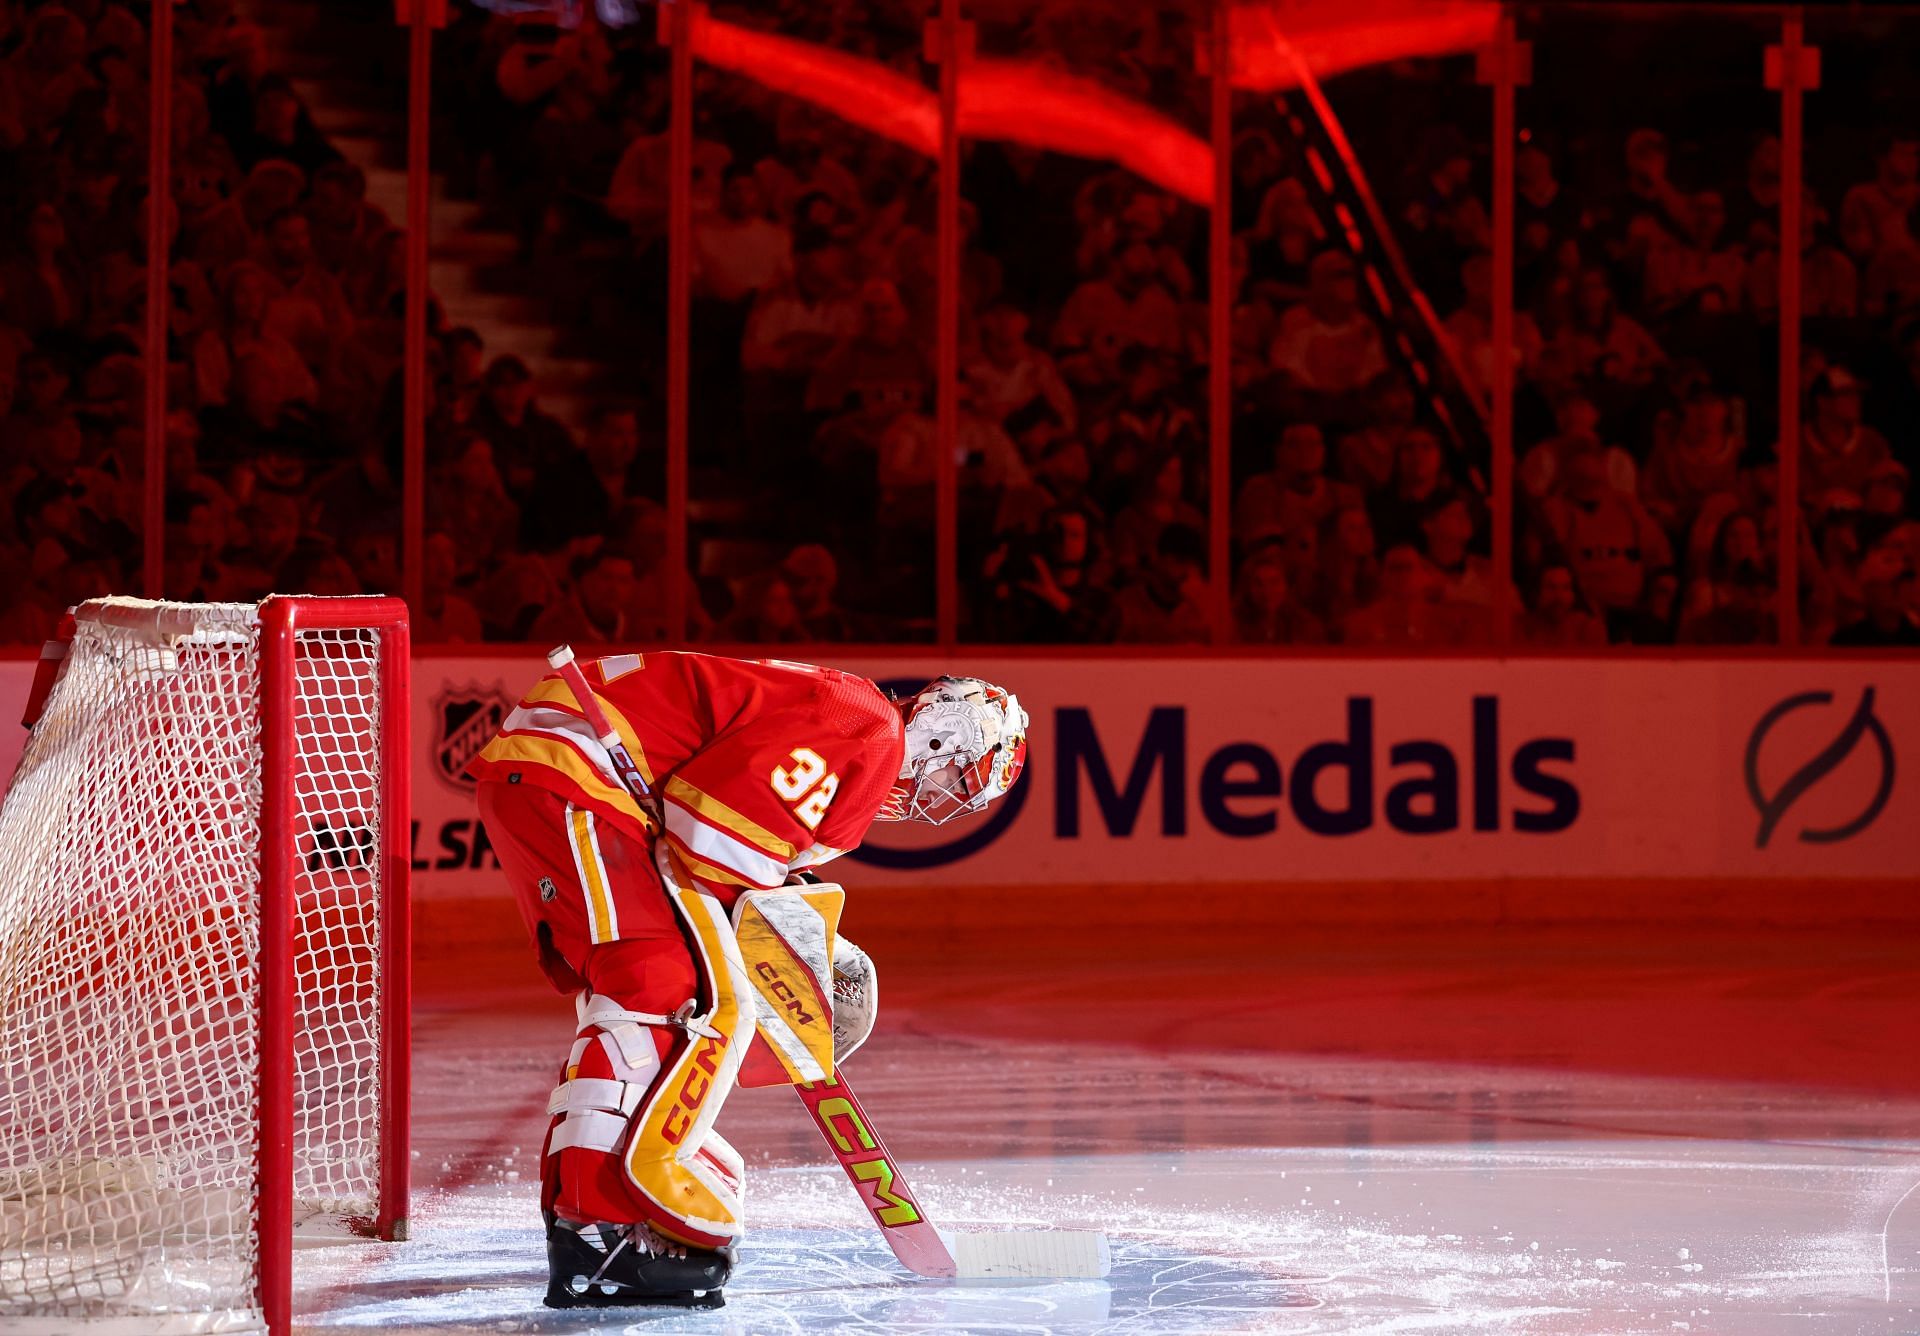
(609, 1266)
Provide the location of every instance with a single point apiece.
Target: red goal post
(204, 947)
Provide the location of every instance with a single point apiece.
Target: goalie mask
(966, 744)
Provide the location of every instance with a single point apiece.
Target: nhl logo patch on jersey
(548, 890)
(465, 720)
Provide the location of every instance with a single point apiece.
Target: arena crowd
(1647, 292)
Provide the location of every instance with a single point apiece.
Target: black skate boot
(609, 1266)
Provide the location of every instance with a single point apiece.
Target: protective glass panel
(1361, 447)
(1860, 335)
(1084, 431)
(1646, 257)
(812, 396)
(286, 292)
(546, 457)
(73, 185)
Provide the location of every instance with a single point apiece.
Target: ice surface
(1243, 1191)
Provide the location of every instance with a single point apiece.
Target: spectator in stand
(1699, 267)
(1578, 423)
(1876, 217)
(247, 362)
(1367, 455)
(43, 288)
(1325, 346)
(341, 223)
(1295, 491)
(1445, 219)
(1610, 540)
(1892, 604)
(1349, 569)
(1887, 488)
(1653, 623)
(1544, 218)
(43, 428)
(1265, 611)
(1470, 328)
(1420, 480)
(767, 614)
(813, 574)
(282, 129)
(444, 617)
(1159, 501)
(612, 452)
(1047, 593)
(1651, 202)
(1404, 611)
(463, 382)
(1756, 204)
(469, 500)
(1167, 604)
(49, 69)
(882, 366)
(287, 254)
(1009, 373)
(594, 608)
(1602, 345)
(525, 440)
(1829, 283)
(739, 251)
(1698, 459)
(1556, 617)
(1736, 559)
(1838, 451)
(1463, 581)
(1129, 306)
(795, 325)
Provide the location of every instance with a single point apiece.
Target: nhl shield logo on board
(465, 720)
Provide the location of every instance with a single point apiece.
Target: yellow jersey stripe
(553, 691)
(522, 749)
(592, 876)
(712, 809)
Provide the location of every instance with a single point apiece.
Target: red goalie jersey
(758, 767)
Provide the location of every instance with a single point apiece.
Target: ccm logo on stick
(1338, 787)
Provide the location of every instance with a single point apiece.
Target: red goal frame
(282, 619)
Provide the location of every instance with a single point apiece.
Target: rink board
(1613, 777)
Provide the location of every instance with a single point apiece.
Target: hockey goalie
(663, 868)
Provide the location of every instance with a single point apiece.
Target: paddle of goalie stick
(1053, 1254)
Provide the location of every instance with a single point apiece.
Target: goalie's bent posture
(753, 773)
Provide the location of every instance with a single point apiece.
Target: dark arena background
(1438, 473)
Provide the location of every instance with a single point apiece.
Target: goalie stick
(924, 1250)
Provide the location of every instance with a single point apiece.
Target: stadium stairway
(348, 63)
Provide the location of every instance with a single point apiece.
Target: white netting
(129, 942)
(336, 1126)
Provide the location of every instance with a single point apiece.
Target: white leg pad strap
(594, 1092)
(588, 1130)
(628, 1029)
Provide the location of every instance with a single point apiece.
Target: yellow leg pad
(663, 1159)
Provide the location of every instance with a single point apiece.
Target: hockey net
(177, 922)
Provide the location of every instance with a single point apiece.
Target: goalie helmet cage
(204, 979)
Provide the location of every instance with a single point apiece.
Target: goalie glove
(856, 998)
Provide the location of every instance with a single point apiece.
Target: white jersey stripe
(721, 849)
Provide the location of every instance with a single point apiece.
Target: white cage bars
(204, 860)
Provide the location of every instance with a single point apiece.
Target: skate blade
(616, 1296)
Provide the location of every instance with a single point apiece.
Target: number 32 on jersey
(807, 785)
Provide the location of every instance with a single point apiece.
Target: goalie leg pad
(633, 1138)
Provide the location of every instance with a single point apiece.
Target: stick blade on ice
(1032, 1254)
